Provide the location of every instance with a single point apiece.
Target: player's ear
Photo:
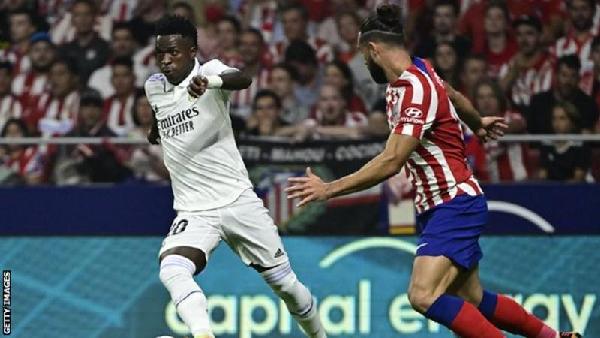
(193, 51)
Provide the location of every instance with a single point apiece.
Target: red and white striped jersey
(241, 100)
(29, 162)
(418, 106)
(535, 79)
(262, 16)
(567, 45)
(118, 10)
(20, 62)
(56, 116)
(29, 87)
(507, 162)
(322, 48)
(119, 114)
(10, 107)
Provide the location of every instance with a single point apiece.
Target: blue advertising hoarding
(109, 287)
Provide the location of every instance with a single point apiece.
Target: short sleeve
(409, 107)
(215, 67)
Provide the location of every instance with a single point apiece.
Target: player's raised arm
(487, 128)
(229, 80)
(386, 164)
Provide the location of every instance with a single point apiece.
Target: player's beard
(377, 73)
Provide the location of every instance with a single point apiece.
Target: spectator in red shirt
(339, 75)
(332, 119)
(474, 69)
(19, 163)
(499, 45)
(10, 107)
(29, 86)
(578, 39)
(118, 107)
(294, 18)
(228, 33)
(251, 48)
(530, 71)
(22, 26)
(506, 161)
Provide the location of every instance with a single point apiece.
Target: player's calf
(297, 298)
(177, 275)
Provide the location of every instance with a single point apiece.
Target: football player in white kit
(213, 196)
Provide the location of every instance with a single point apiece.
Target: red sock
(470, 323)
(512, 317)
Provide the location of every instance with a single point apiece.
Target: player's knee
(286, 285)
(420, 298)
(176, 274)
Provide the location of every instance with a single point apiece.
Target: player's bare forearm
(381, 167)
(465, 109)
(235, 80)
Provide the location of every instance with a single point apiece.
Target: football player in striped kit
(451, 209)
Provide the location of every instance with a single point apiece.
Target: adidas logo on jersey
(279, 253)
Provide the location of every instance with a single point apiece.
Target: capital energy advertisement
(108, 287)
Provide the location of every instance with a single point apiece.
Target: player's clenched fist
(198, 86)
(309, 188)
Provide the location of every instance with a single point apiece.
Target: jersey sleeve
(216, 67)
(154, 84)
(410, 104)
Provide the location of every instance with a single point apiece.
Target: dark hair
(177, 25)
(572, 114)
(122, 61)
(90, 3)
(469, 57)
(233, 21)
(69, 62)
(288, 69)
(501, 5)
(348, 89)
(384, 26)
(452, 3)
(19, 122)
(256, 32)
(498, 93)
(591, 3)
(294, 6)
(300, 51)
(122, 25)
(139, 94)
(596, 42)
(90, 98)
(6, 65)
(23, 11)
(528, 20)
(184, 5)
(572, 61)
(266, 93)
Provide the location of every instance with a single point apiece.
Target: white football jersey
(199, 149)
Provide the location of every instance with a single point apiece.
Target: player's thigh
(250, 232)
(467, 286)
(193, 235)
(431, 277)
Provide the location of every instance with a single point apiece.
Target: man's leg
(177, 269)
(504, 312)
(296, 296)
(431, 277)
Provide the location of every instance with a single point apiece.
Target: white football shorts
(245, 225)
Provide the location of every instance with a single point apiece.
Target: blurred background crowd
(76, 68)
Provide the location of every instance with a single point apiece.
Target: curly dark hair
(177, 25)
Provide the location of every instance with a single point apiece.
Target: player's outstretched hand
(308, 188)
(197, 86)
(492, 128)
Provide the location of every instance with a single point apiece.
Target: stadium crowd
(77, 68)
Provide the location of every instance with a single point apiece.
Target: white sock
(176, 273)
(297, 298)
